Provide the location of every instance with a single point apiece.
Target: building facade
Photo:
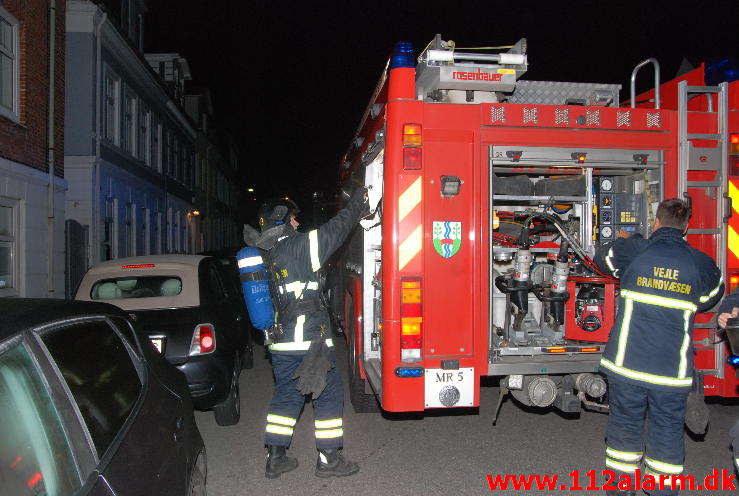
(32, 185)
(134, 157)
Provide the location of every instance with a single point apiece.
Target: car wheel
(229, 412)
(198, 476)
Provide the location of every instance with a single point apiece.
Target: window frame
(63, 395)
(14, 239)
(12, 113)
(129, 121)
(111, 106)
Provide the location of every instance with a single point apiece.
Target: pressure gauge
(606, 184)
(606, 232)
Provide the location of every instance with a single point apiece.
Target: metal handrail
(641, 64)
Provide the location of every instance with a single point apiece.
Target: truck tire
(361, 401)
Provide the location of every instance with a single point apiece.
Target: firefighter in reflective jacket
(649, 355)
(297, 257)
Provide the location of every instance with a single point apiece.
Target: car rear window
(136, 287)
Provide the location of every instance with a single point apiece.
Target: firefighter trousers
(287, 404)
(664, 411)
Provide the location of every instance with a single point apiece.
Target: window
(144, 121)
(108, 245)
(156, 145)
(130, 230)
(8, 247)
(34, 450)
(135, 287)
(105, 388)
(146, 231)
(112, 107)
(157, 233)
(128, 140)
(8, 65)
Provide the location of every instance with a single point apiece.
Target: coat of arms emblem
(447, 237)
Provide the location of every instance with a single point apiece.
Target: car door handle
(179, 424)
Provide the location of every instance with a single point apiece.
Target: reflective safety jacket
(298, 257)
(664, 282)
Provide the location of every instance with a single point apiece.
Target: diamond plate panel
(561, 116)
(558, 93)
(654, 119)
(497, 114)
(530, 115)
(623, 119)
(592, 117)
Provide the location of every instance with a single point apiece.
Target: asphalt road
(445, 452)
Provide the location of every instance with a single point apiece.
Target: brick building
(32, 188)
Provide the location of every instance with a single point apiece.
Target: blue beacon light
(402, 55)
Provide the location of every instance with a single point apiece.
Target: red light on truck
(412, 135)
(411, 321)
(733, 282)
(734, 144)
(137, 266)
(411, 158)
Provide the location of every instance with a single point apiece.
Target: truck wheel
(361, 401)
(229, 412)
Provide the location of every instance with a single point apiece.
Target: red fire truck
(490, 195)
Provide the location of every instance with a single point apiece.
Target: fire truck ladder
(711, 159)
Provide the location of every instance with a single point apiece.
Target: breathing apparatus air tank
(255, 286)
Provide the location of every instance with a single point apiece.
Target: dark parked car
(193, 315)
(88, 407)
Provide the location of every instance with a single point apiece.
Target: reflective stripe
(623, 467)
(658, 300)
(315, 262)
(408, 200)
(296, 287)
(328, 424)
(279, 419)
(280, 429)
(713, 292)
(299, 328)
(410, 247)
(608, 261)
(643, 376)
(249, 262)
(293, 346)
(623, 335)
(330, 434)
(683, 368)
(665, 468)
(627, 456)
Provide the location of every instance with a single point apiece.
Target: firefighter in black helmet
(303, 359)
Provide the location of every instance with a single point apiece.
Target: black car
(88, 406)
(193, 314)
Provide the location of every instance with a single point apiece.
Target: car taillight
(412, 146)
(411, 324)
(203, 340)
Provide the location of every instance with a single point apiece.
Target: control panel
(617, 208)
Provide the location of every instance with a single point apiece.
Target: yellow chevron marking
(734, 195)
(409, 199)
(733, 241)
(409, 248)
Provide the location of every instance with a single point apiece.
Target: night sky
(291, 79)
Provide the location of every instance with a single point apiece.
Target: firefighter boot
(278, 462)
(331, 463)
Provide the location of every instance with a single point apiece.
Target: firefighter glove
(311, 374)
